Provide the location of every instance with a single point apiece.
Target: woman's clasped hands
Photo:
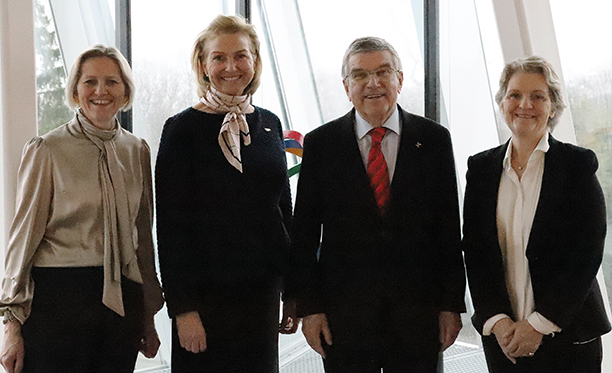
(517, 339)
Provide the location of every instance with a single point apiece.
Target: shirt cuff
(488, 326)
(9, 317)
(542, 324)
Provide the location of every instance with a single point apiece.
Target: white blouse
(516, 207)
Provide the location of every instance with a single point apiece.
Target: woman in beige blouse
(80, 288)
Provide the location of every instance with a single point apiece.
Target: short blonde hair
(223, 24)
(534, 65)
(99, 51)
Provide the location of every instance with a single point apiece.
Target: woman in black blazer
(533, 236)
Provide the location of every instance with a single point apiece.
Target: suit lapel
(347, 142)
(551, 185)
(405, 164)
(407, 133)
(497, 167)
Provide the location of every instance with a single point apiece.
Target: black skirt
(241, 324)
(70, 330)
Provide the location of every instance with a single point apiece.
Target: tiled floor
(459, 358)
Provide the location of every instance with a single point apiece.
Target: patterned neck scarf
(234, 124)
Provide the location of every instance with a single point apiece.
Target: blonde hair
(223, 24)
(99, 51)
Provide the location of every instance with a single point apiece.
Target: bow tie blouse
(63, 218)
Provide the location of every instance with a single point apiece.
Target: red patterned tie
(377, 169)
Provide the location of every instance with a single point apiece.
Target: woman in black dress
(224, 211)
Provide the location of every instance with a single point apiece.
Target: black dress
(223, 238)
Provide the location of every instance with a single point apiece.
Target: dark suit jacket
(415, 243)
(565, 246)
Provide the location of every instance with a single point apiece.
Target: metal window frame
(123, 41)
(432, 59)
(243, 8)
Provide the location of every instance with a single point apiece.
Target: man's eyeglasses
(382, 75)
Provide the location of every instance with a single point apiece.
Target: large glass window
(50, 70)
(470, 63)
(582, 29)
(162, 39)
(63, 29)
(397, 21)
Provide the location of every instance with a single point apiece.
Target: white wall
(17, 96)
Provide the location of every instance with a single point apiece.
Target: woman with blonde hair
(533, 236)
(80, 287)
(224, 212)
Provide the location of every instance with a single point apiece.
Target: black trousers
(71, 331)
(241, 323)
(553, 356)
(376, 324)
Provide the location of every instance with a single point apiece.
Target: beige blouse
(62, 214)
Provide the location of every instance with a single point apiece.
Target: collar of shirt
(390, 143)
(362, 127)
(542, 147)
(517, 202)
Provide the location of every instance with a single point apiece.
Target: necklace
(520, 167)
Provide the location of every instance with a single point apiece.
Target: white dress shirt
(516, 207)
(389, 144)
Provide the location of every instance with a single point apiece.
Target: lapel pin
(418, 144)
(267, 129)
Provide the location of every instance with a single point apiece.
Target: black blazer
(418, 239)
(565, 245)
